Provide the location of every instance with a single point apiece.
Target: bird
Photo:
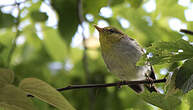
(120, 54)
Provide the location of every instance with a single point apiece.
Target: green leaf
(184, 77)
(45, 92)
(6, 76)
(160, 100)
(12, 98)
(38, 16)
(171, 85)
(166, 52)
(54, 44)
(6, 20)
(68, 18)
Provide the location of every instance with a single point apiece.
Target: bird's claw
(150, 80)
(119, 85)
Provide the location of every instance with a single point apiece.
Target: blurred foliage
(6, 20)
(67, 20)
(47, 52)
(135, 3)
(41, 16)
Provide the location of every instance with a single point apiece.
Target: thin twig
(186, 31)
(111, 84)
(16, 36)
(117, 84)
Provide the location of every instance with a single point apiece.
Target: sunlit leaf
(12, 98)
(45, 92)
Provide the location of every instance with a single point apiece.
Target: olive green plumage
(120, 54)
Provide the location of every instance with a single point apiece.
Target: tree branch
(117, 84)
(186, 31)
(111, 84)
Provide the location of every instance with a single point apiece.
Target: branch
(111, 84)
(186, 31)
(117, 84)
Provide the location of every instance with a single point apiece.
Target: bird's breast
(121, 60)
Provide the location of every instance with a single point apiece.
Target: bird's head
(109, 35)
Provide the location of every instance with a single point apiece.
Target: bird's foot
(119, 85)
(150, 80)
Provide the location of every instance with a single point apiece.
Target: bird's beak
(98, 28)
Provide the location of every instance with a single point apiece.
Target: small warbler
(120, 54)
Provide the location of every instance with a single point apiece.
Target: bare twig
(186, 31)
(16, 36)
(117, 84)
(111, 84)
